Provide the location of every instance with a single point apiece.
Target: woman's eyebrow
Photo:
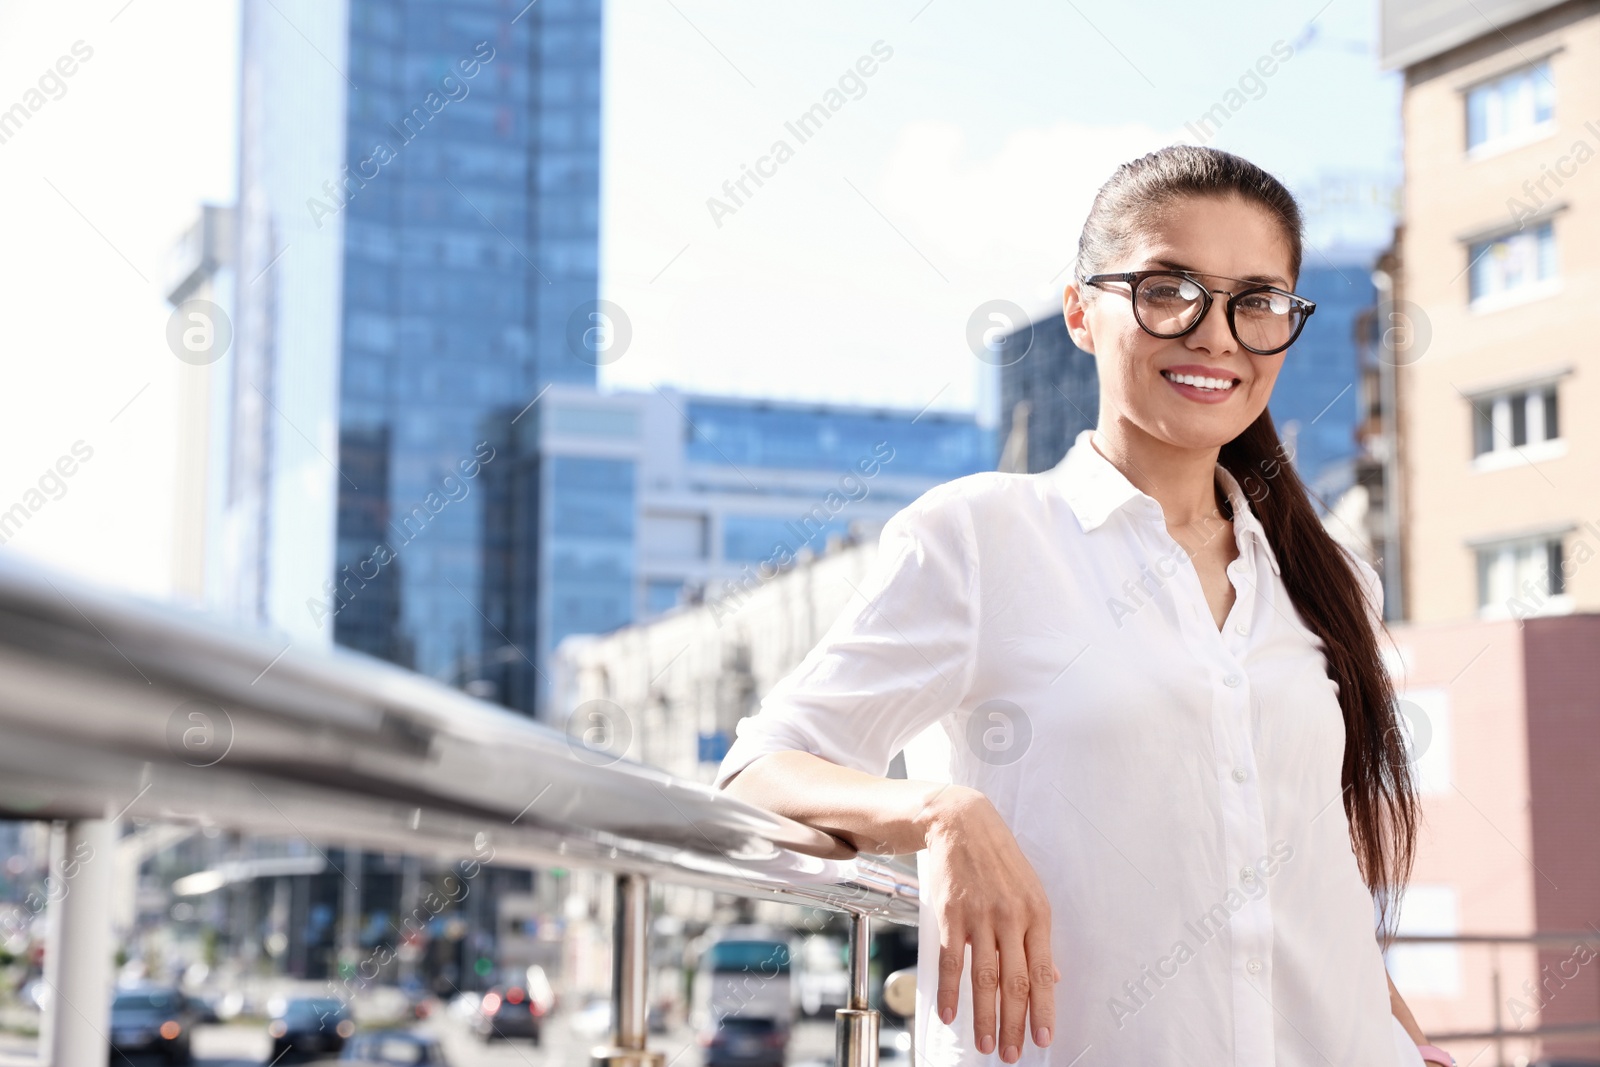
(1263, 279)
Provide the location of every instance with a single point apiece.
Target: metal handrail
(99, 691)
(1499, 1034)
(114, 706)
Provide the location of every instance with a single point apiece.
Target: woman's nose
(1214, 334)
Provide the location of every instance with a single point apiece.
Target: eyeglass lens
(1168, 304)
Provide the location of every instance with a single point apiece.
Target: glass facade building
(419, 192)
(1316, 403)
(1061, 385)
(419, 201)
(661, 498)
(756, 434)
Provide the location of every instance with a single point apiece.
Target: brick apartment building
(1497, 300)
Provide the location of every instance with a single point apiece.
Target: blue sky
(957, 174)
(961, 174)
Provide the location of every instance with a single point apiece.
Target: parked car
(153, 1019)
(757, 1041)
(508, 1011)
(205, 1006)
(394, 1048)
(743, 999)
(308, 1024)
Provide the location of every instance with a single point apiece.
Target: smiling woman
(1099, 808)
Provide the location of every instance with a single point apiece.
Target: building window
(1512, 109)
(1524, 577)
(771, 538)
(1505, 421)
(673, 537)
(1515, 265)
(1427, 969)
(1425, 720)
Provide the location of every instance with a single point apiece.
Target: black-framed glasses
(1170, 303)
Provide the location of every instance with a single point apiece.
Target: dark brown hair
(1379, 797)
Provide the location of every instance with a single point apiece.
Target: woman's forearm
(886, 816)
(1402, 1012)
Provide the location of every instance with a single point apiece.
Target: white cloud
(1013, 216)
(851, 275)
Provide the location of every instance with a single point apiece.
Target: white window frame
(1501, 453)
(1505, 554)
(1537, 289)
(1519, 138)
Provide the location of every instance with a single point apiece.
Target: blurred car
(308, 1024)
(508, 1011)
(205, 1007)
(747, 1042)
(394, 1048)
(152, 1019)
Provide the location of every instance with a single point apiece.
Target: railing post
(1494, 980)
(77, 959)
(856, 1026)
(630, 976)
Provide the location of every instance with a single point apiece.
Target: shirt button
(1248, 874)
(1232, 681)
(1242, 628)
(1239, 775)
(1253, 966)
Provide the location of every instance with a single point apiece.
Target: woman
(1154, 675)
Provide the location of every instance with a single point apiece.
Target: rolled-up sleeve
(899, 657)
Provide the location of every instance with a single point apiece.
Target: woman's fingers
(1014, 992)
(952, 962)
(988, 897)
(985, 983)
(1042, 989)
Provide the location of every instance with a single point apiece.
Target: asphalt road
(249, 1046)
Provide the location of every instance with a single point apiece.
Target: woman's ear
(1076, 314)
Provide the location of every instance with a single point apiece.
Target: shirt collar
(1094, 488)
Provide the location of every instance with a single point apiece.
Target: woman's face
(1217, 238)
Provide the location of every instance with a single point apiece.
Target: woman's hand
(985, 893)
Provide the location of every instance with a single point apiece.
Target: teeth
(1199, 382)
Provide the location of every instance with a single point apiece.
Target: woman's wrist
(941, 807)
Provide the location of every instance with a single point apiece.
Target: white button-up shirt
(1042, 638)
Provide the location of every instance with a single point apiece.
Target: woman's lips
(1201, 394)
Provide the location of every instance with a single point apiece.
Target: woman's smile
(1203, 385)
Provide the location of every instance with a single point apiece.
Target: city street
(247, 1046)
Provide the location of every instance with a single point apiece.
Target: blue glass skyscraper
(418, 223)
(1316, 401)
